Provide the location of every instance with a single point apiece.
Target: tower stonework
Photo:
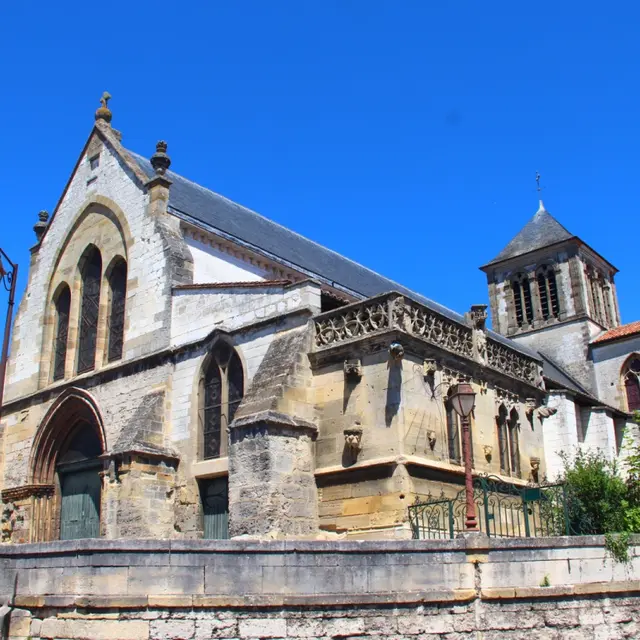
(552, 292)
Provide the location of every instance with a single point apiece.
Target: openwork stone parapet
(393, 312)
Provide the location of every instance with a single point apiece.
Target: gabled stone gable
(156, 255)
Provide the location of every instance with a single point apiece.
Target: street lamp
(463, 398)
(8, 279)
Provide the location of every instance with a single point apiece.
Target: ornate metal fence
(503, 510)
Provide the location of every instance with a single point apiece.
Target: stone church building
(182, 367)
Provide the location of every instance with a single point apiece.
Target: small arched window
(514, 443)
(221, 393)
(503, 439)
(454, 435)
(62, 306)
(91, 274)
(522, 299)
(117, 295)
(548, 291)
(631, 378)
(509, 441)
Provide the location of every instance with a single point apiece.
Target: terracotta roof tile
(619, 332)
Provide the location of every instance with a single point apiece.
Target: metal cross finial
(538, 182)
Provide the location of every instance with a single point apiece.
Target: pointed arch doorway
(67, 456)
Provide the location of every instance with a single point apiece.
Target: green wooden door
(80, 510)
(215, 506)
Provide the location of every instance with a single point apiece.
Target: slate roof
(541, 231)
(622, 331)
(209, 210)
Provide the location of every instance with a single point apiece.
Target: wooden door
(215, 507)
(80, 509)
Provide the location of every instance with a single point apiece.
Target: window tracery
(221, 392)
(91, 274)
(62, 307)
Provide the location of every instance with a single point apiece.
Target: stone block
(172, 630)
(78, 629)
(263, 628)
(216, 628)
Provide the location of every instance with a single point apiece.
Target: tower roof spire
(541, 231)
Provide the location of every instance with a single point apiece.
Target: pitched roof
(211, 211)
(623, 331)
(541, 231)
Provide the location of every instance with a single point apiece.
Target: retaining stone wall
(200, 590)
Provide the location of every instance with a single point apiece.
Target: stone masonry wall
(473, 589)
(113, 186)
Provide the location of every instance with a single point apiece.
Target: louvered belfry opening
(91, 274)
(548, 292)
(118, 294)
(62, 307)
(522, 300)
(222, 391)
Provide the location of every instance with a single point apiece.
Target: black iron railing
(504, 511)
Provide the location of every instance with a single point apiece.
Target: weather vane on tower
(539, 188)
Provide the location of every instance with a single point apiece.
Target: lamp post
(463, 400)
(8, 279)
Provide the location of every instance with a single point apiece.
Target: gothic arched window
(91, 274)
(548, 290)
(222, 388)
(454, 435)
(522, 299)
(631, 378)
(62, 306)
(503, 438)
(514, 443)
(117, 294)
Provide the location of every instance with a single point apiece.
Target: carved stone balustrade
(395, 313)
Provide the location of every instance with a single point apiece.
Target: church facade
(182, 367)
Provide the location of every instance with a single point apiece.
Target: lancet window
(508, 441)
(454, 435)
(91, 273)
(62, 307)
(222, 389)
(117, 294)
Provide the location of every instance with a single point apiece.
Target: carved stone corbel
(530, 405)
(431, 436)
(353, 369)
(535, 467)
(478, 317)
(546, 412)
(396, 351)
(353, 441)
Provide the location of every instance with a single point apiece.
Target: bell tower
(552, 292)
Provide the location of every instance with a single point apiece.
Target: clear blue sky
(405, 135)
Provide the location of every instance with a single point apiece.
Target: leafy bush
(595, 494)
